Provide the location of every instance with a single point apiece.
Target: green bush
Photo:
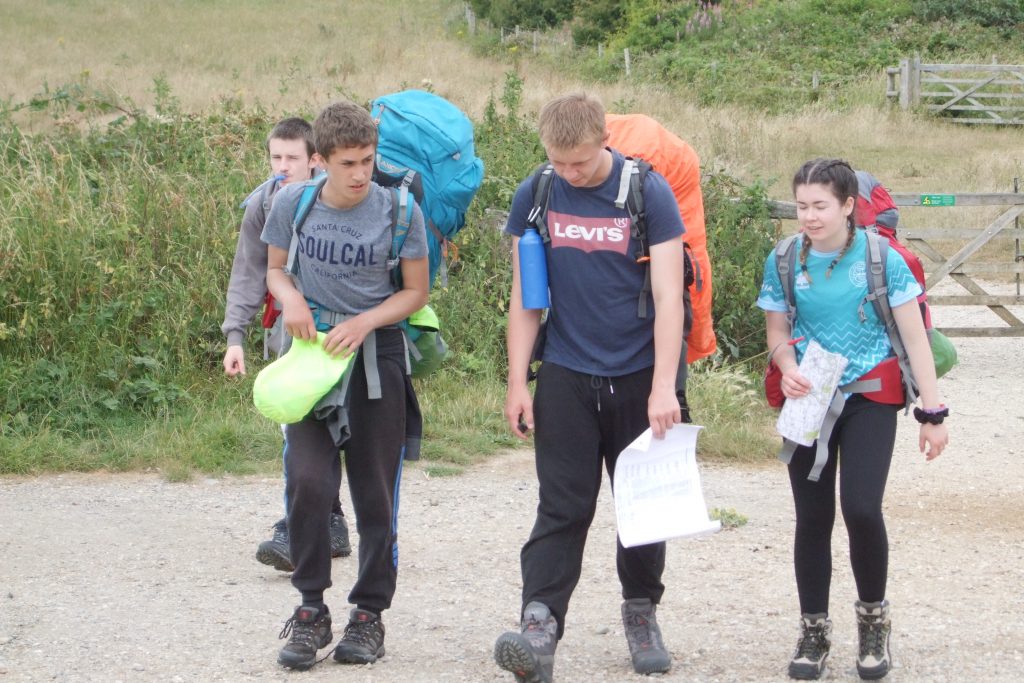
(992, 13)
(740, 235)
(527, 14)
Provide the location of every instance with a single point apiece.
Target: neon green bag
(943, 352)
(287, 389)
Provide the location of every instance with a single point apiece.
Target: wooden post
(814, 80)
(625, 55)
(904, 84)
(535, 42)
(600, 50)
(470, 20)
(915, 80)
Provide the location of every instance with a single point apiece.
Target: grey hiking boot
(310, 630)
(644, 637)
(873, 630)
(275, 551)
(340, 546)
(363, 642)
(812, 649)
(530, 653)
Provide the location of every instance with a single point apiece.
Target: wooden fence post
(915, 80)
(625, 55)
(904, 84)
(470, 20)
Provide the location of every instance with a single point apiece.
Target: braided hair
(840, 178)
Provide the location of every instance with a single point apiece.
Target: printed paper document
(657, 489)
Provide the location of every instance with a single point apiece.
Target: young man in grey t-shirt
(344, 275)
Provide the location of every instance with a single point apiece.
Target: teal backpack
(425, 147)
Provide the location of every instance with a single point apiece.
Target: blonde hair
(572, 120)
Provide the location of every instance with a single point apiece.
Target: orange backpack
(640, 136)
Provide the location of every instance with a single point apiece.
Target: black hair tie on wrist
(931, 418)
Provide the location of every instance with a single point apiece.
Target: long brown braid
(840, 178)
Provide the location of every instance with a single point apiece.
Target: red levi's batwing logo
(589, 234)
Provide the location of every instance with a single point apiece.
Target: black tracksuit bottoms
(861, 450)
(582, 423)
(373, 461)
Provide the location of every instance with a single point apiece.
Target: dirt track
(130, 578)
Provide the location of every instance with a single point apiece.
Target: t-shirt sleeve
(277, 231)
(664, 221)
(522, 202)
(772, 297)
(901, 283)
(416, 241)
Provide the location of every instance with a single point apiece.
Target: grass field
(295, 57)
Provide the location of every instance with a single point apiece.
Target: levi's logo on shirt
(587, 233)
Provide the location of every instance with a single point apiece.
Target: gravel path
(130, 578)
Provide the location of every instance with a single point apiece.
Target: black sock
(313, 599)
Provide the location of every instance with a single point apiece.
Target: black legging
(862, 440)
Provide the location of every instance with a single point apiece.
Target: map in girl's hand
(801, 418)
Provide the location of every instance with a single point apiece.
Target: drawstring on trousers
(596, 383)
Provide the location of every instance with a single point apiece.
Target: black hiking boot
(644, 637)
(340, 546)
(275, 551)
(530, 653)
(812, 649)
(310, 630)
(363, 642)
(873, 630)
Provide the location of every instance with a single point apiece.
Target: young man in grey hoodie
(293, 159)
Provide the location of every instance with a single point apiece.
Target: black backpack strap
(631, 198)
(541, 181)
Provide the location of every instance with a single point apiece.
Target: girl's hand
(935, 437)
(795, 385)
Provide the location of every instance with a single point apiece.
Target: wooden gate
(968, 93)
(1007, 226)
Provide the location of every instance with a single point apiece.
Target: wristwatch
(931, 416)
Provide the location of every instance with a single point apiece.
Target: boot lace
(638, 631)
(302, 632)
(812, 644)
(872, 637)
(362, 632)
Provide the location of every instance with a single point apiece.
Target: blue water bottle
(533, 270)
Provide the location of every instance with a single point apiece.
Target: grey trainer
(274, 552)
(644, 637)
(873, 630)
(310, 630)
(530, 653)
(340, 545)
(812, 649)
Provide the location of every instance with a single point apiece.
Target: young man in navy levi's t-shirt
(607, 375)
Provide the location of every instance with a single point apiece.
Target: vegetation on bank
(115, 247)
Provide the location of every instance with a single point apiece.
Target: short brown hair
(572, 120)
(293, 128)
(341, 125)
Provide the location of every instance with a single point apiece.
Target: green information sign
(938, 200)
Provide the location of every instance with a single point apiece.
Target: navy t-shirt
(593, 276)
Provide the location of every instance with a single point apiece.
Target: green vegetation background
(119, 223)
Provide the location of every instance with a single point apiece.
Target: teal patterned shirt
(827, 308)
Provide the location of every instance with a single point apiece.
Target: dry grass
(296, 56)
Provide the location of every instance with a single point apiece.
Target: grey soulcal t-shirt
(343, 253)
